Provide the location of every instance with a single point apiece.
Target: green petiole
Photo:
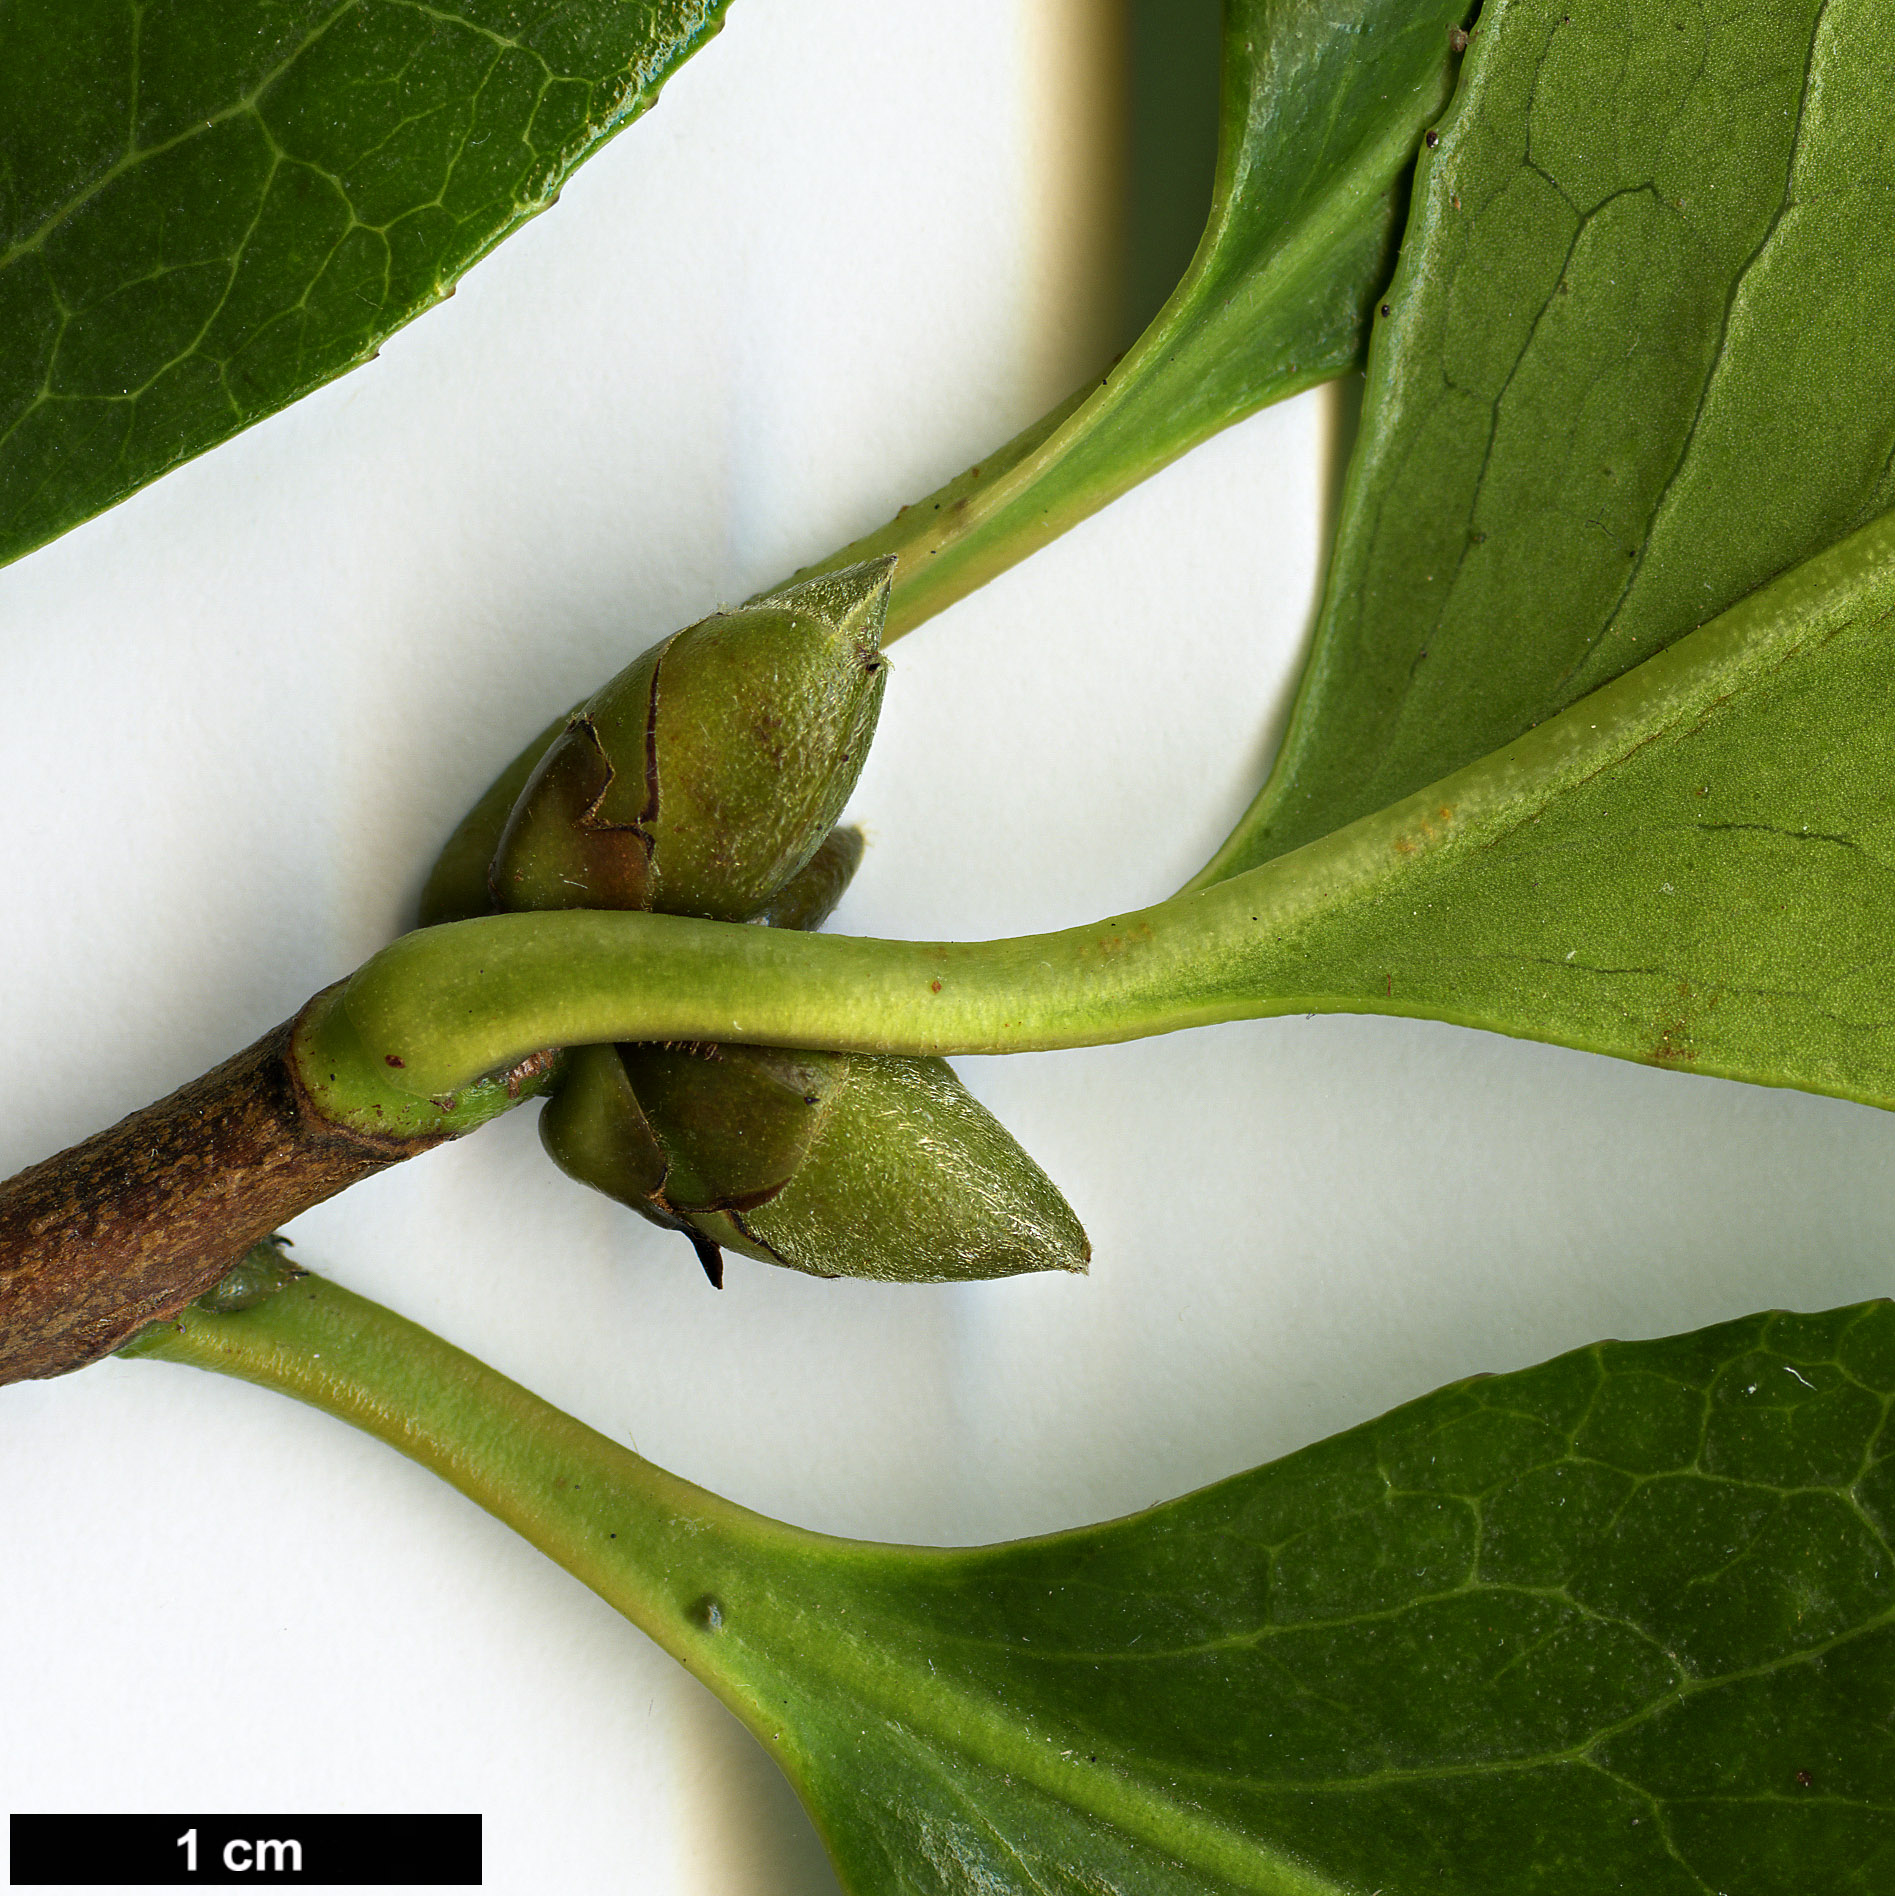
(432, 1013)
(633, 1533)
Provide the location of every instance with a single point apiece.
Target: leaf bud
(841, 1165)
(703, 777)
(261, 1272)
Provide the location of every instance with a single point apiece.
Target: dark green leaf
(1635, 363)
(1625, 1621)
(1320, 113)
(208, 208)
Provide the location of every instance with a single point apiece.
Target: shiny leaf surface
(208, 208)
(1320, 113)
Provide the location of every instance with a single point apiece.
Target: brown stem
(131, 1225)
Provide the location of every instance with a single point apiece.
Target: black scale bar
(149, 1852)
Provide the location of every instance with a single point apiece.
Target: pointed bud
(908, 1178)
(702, 781)
(841, 1165)
(705, 775)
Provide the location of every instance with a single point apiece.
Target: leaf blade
(1365, 1681)
(1625, 378)
(207, 213)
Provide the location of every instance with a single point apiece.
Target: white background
(856, 246)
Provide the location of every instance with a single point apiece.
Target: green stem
(1224, 346)
(1096, 445)
(437, 1009)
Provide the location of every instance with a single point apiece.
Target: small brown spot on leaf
(934, 987)
(394, 1059)
(1431, 139)
(1804, 1779)
(1457, 39)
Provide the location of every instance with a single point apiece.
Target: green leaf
(1689, 868)
(1622, 1621)
(209, 208)
(1634, 363)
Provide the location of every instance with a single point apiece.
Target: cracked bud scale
(703, 777)
(841, 1165)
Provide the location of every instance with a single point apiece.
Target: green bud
(261, 1272)
(704, 776)
(841, 1165)
(596, 1132)
(706, 780)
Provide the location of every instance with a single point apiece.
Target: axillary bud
(705, 780)
(704, 776)
(836, 1164)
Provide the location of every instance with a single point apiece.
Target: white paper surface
(855, 246)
